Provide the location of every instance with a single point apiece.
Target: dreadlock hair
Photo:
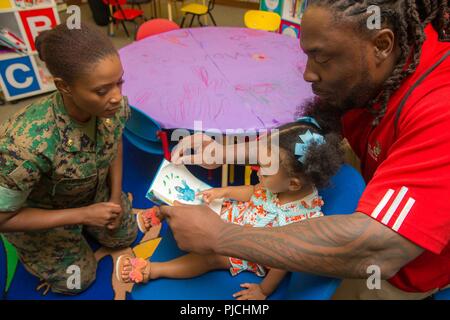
(321, 161)
(407, 19)
(70, 53)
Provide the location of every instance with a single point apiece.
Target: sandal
(149, 214)
(137, 273)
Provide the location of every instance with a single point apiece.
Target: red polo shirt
(407, 170)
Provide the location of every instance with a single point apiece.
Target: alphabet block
(18, 76)
(36, 21)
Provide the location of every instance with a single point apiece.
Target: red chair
(118, 13)
(155, 26)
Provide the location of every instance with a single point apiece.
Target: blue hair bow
(309, 120)
(305, 141)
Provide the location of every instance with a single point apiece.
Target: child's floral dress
(265, 210)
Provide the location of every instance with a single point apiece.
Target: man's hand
(341, 246)
(253, 291)
(181, 154)
(195, 228)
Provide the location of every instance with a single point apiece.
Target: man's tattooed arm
(341, 246)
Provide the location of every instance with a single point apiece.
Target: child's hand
(210, 195)
(253, 292)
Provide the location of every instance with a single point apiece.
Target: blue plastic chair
(341, 197)
(142, 144)
(142, 131)
(442, 295)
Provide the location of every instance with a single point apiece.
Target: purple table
(229, 78)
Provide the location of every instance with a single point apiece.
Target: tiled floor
(224, 16)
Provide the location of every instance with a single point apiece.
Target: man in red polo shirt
(387, 89)
(405, 160)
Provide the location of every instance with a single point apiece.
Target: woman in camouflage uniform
(61, 162)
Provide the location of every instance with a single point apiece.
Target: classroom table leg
(154, 9)
(248, 175)
(169, 10)
(205, 17)
(210, 174)
(176, 9)
(111, 22)
(224, 175)
(231, 173)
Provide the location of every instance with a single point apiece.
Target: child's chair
(442, 295)
(262, 20)
(138, 3)
(145, 133)
(153, 6)
(118, 13)
(198, 10)
(155, 26)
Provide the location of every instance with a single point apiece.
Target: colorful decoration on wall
(291, 12)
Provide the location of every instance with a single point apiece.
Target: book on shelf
(12, 41)
(23, 4)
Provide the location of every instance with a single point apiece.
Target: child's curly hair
(321, 161)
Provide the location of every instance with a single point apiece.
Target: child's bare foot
(148, 218)
(130, 269)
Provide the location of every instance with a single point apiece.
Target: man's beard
(329, 113)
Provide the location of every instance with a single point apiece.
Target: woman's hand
(198, 142)
(253, 291)
(210, 195)
(116, 223)
(102, 215)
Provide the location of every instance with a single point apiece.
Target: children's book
(12, 41)
(177, 183)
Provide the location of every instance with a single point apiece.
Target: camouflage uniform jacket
(47, 162)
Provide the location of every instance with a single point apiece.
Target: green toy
(11, 259)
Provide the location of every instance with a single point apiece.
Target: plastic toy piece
(12, 261)
(146, 249)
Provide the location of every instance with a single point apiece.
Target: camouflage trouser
(48, 254)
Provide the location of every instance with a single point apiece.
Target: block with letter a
(36, 21)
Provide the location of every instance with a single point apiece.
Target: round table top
(228, 78)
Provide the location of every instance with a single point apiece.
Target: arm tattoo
(341, 246)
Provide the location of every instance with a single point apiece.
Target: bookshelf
(22, 73)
